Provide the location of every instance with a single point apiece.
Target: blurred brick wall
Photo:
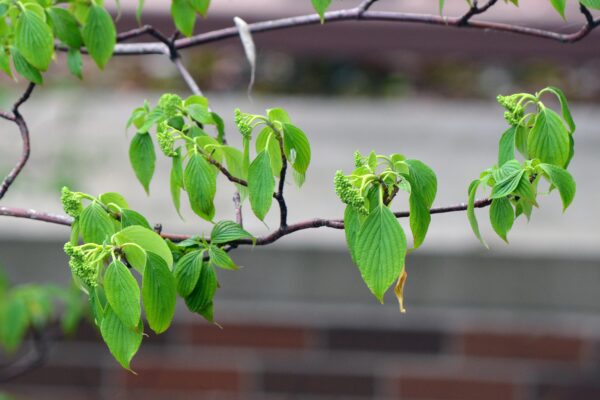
(274, 361)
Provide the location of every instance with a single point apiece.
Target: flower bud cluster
(81, 264)
(166, 141)
(514, 112)
(71, 202)
(348, 193)
(242, 121)
(170, 104)
(359, 160)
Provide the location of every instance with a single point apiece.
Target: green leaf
(25, 69)
(34, 39)
(201, 185)
(95, 224)
(99, 35)
(261, 184)
(184, 16)
(564, 105)
(380, 250)
(65, 27)
(506, 148)
(146, 239)
(441, 6)
(200, 113)
(131, 218)
(548, 139)
(136, 256)
(502, 216)
(265, 138)
(228, 231)
(176, 180)
(201, 6)
(112, 199)
(5, 63)
(75, 63)
(279, 115)
(220, 258)
(321, 7)
(423, 184)
(187, 271)
(235, 164)
(158, 293)
(595, 4)
(351, 228)
(143, 158)
(138, 11)
(13, 322)
(471, 211)
(98, 304)
(559, 6)
(563, 181)
(123, 293)
(201, 299)
(296, 148)
(507, 185)
(123, 341)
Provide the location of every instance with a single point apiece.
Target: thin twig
(265, 240)
(18, 119)
(474, 10)
(187, 77)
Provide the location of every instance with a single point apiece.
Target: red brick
(574, 391)
(169, 378)
(436, 388)
(318, 384)
(524, 346)
(250, 336)
(377, 340)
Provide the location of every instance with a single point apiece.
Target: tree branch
(18, 119)
(262, 241)
(474, 10)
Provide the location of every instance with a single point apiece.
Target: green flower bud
(243, 123)
(81, 265)
(359, 161)
(71, 202)
(166, 142)
(348, 193)
(170, 104)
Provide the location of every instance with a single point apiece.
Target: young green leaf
(111, 199)
(201, 6)
(265, 138)
(235, 164)
(423, 184)
(564, 105)
(122, 340)
(158, 293)
(562, 180)
(559, 6)
(75, 63)
(184, 16)
(380, 250)
(278, 115)
(296, 147)
(351, 229)
(201, 185)
(471, 211)
(548, 139)
(95, 224)
(502, 216)
(65, 27)
(25, 69)
(187, 271)
(136, 256)
(34, 39)
(123, 293)
(595, 4)
(506, 148)
(228, 231)
(143, 158)
(200, 113)
(176, 180)
(99, 35)
(201, 299)
(131, 218)
(261, 184)
(507, 185)
(220, 258)
(146, 239)
(320, 7)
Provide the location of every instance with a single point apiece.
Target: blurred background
(517, 322)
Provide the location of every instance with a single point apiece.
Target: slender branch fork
(170, 46)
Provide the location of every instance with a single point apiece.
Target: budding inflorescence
(243, 122)
(359, 160)
(170, 104)
(82, 264)
(71, 202)
(348, 193)
(514, 111)
(166, 142)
